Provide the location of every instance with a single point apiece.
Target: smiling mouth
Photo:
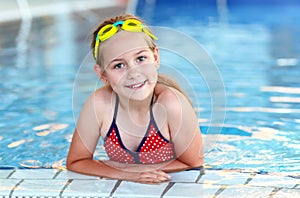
(136, 86)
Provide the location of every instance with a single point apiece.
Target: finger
(155, 176)
(162, 174)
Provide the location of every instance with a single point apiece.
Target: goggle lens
(109, 30)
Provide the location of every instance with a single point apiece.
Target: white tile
(192, 190)
(5, 173)
(6, 185)
(184, 176)
(39, 188)
(287, 193)
(72, 175)
(224, 177)
(34, 174)
(273, 181)
(245, 192)
(101, 188)
(132, 189)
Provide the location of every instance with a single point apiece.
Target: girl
(148, 124)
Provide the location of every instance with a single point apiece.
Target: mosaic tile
(274, 181)
(224, 177)
(39, 188)
(184, 176)
(6, 185)
(287, 193)
(192, 190)
(72, 175)
(242, 191)
(34, 174)
(85, 188)
(132, 189)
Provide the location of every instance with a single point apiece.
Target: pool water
(256, 52)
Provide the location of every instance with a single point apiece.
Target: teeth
(136, 85)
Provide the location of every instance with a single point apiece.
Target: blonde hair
(162, 79)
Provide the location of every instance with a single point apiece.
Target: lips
(137, 85)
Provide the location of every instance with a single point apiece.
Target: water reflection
(257, 53)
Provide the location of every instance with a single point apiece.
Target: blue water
(254, 48)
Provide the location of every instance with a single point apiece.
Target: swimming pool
(256, 53)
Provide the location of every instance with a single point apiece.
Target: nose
(133, 72)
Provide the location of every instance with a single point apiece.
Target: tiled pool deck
(211, 183)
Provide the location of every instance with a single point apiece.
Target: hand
(151, 177)
(148, 174)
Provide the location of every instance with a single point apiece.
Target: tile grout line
(274, 191)
(65, 187)
(167, 188)
(220, 190)
(201, 173)
(11, 174)
(252, 175)
(56, 174)
(14, 188)
(115, 188)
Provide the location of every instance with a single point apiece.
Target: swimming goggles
(131, 25)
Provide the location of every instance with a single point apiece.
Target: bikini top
(154, 148)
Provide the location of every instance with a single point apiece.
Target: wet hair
(162, 79)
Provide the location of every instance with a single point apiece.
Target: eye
(141, 58)
(119, 66)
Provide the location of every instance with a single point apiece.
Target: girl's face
(129, 65)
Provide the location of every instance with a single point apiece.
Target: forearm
(172, 166)
(96, 168)
(175, 166)
(101, 169)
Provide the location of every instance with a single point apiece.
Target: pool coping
(193, 183)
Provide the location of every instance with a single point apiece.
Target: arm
(185, 132)
(84, 141)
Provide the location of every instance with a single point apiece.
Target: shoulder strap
(116, 107)
(151, 104)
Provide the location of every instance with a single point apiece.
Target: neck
(136, 108)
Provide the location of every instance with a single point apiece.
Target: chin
(139, 96)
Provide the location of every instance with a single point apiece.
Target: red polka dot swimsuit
(154, 148)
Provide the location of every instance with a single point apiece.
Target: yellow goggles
(131, 25)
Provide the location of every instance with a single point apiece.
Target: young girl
(148, 124)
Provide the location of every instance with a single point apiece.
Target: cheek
(152, 73)
(116, 79)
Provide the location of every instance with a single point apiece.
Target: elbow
(196, 163)
(69, 164)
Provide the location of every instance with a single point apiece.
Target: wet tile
(86, 188)
(192, 190)
(274, 181)
(72, 175)
(34, 174)
(6, 185)
(5, 173)
(224, 177)
(184, 176)
(287, 193)
(132, 189)
(242, 191)
(39, 188)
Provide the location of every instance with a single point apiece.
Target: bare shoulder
(102, 96)
(170, 97)
(99, 101)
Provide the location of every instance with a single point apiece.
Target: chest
(132, 133)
